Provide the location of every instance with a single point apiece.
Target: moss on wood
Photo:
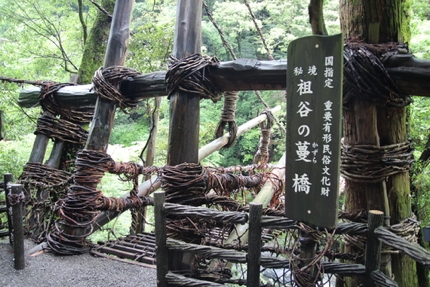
(95, 46)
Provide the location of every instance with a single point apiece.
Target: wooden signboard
(314, 102)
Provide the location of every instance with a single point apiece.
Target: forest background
(46, 40)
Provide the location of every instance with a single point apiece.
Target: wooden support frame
(412, 75)
(153, 184)
(103, 119)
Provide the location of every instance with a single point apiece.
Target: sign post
(314, 103)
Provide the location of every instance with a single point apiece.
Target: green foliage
(421, 182)
(420, 28)
(421, 9)
(419, 123)
(95, 44)
(152, 35)
(331, 17)
(17, 121)
(240, 31)
(420, 46)
(37, 42)
(42, 40)
(14, 156)
(209, 117)
(38, 46)
(150, 47)
(126, 134)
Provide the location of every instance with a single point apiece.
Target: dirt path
(64, 271)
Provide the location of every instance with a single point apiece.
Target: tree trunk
(95, 46)
(392, 129)
(360, 128)
(378, 21)
(185, 107)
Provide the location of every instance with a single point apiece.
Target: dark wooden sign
(314, 102)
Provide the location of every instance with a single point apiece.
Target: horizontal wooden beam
(412, 75)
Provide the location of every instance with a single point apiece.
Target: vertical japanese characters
(314, 97)
(308, 151)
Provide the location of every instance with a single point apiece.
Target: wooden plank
(100, 254)
(314, 127)
(412, 75)
(125, 252)
(147, 248)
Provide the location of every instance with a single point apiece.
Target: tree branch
(316, 17)
(19, 81)
(46, 29)
(103, 10)
(82, 20)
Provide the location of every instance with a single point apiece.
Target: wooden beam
(411, 74)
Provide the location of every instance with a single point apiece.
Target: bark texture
(378, 21)
(95, 46)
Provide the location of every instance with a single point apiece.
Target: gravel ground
(80, 270)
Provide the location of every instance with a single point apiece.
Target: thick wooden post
(39, 148)
(55, 157)
(373, 246)
(103, 120)
(18, 230)
(254, 245)
(360, 128)
(185, 107)
(160, 238)
(8, 178)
